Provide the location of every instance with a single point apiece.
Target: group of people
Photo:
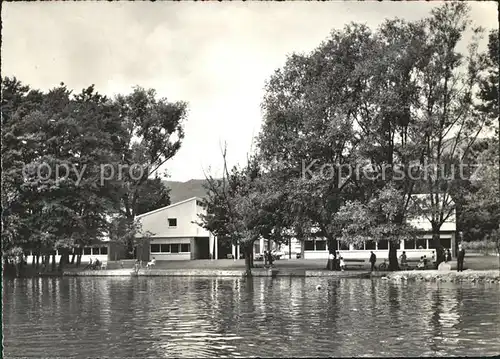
(337, 262)
(94, 263)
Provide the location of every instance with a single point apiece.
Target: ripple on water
(263, 317)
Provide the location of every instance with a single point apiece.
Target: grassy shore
(480, 265)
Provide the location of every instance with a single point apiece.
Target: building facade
(175, 233)
(423, 244)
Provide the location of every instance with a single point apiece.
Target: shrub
(484, 246)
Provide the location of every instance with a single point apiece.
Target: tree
(386, 119)
(450, 123)
(488, 92)
(309, 138)
(153, 135)
(242, 207)
(56, 148)
(53, 152)
(482, 204)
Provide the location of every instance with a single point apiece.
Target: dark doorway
(202, 248)
(224, 248)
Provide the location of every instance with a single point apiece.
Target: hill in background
(180, 191)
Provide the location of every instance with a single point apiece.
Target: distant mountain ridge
(180, 191)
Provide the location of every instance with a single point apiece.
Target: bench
(354, 263)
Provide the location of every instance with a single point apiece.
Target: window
(446, 243)
(422, 243)
(165, 248)
(104, 250)
(320, 245)
(155, 248)
(410, 244)
(383, 244)
(95, 251)
(185, 247)
(172, 222)
(174, 248)
(370, 245)
(433, 244)
(87, 250)
(309, 245)
(359, 246)
(200, 204)
(343, 246)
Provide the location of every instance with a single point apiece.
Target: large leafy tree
(52, 154)
(56, 148)
(153, 133)
(405, 90)
(450, 123)
(309, 139)
(480, 214)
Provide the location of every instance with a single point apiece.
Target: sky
(216, 56)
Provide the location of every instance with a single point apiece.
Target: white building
(317, 248)
(176, 234)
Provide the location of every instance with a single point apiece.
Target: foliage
(485, 246)
(244, 206)
(374, 220)
(395, 102)
(54, 147)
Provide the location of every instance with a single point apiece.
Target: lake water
(282, 317)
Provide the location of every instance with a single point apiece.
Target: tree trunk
(64, 259)
(73, 257)
(393, 255)
(46, 262)
(79, 252)
(332, 249)
(33, 260)
(54, 263)
(37, 260)
(437, 244)
(17, 266)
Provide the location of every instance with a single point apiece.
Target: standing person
(403, 260)
(460, 258)
(337, 260)
(373, 259)
(330, 261)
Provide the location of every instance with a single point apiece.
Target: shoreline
(469, 275)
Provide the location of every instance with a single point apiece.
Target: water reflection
(290, 317)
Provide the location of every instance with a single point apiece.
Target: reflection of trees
(373, 291)
(394, 293)
(436, 329)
